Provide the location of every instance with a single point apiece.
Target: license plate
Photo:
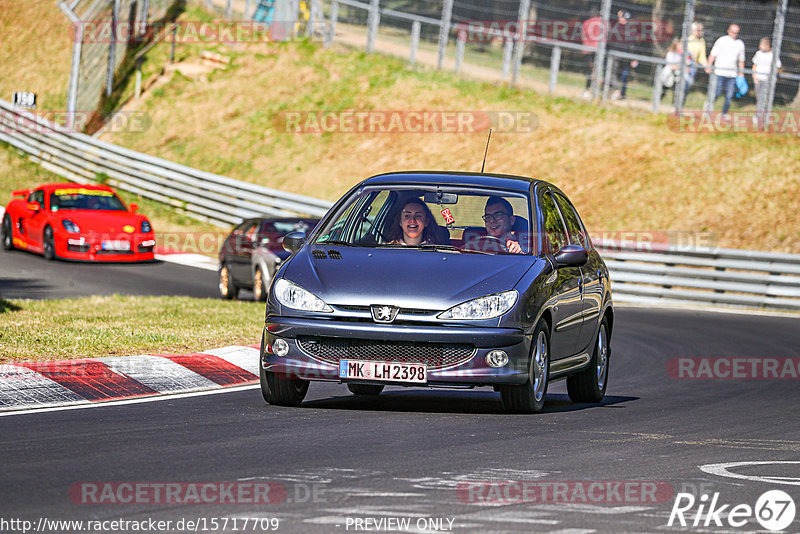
(415, 373)
(116, 245)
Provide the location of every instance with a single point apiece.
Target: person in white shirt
(727, 56)
(762, 66)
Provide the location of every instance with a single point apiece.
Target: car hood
(102, 221)
(411, 278)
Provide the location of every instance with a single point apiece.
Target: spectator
(625, 66)
(592, 31)
(762, 67)
(697, 49)
(727, 57)
(671, 71)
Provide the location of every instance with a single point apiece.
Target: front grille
(77, 248)
(434, 355)
(113, 252)
(403, 311)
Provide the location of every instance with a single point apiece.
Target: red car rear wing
(21, 192)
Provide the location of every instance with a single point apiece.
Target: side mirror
(134, 207)
(571, 256)
(293, 241)
(34, 206)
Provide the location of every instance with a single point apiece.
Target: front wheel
(8, 236)
(529, 397)
(227, 289)
(281, 390)
(590, 384)
(49, 245)
(365, 389)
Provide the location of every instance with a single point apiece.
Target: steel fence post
(460, 44)
(330, 36)
(712, 92)
(112, 47)
(508, 48)
(520, 37)
(680, 88)
(657, 88)
(416, 26)
(609, 72)
(444, 32)
(777, 42)
(555, 65)
(373, 21)
(600, 54)
(228, 9)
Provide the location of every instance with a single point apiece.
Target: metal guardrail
(79, 157)
(640, 272)
(703, 276)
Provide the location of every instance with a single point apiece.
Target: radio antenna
(487, 150)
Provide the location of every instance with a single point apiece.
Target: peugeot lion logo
(383, 314)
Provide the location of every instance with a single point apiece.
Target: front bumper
(90, 247)
(352, 337)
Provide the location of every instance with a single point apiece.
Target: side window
(37, 197)
(577, 234)
(553, 227)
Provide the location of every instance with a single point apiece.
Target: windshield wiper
(449, 248)
(336, 242)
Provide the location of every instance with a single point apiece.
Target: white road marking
(138, 400)
(244, 357)
(722, 470)
(190, 260)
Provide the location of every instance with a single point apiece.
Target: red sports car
(77, 222)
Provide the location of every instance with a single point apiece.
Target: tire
(590, 384)
(49, 244)
(530, 397)
(8, 235)
(259, 286)
(365, 389)
(281, 390)
(227, 289)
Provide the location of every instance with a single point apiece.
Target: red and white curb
(190, 259)
(29, 385)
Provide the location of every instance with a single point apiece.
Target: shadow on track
(454, 402)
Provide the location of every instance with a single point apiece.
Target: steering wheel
(487, 242)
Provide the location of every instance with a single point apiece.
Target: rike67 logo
(774, 510)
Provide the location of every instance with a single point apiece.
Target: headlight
(293, 296)
(70, 226)
(487, 307)
(146, 228)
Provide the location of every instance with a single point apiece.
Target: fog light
(280, 347)
(497, 358)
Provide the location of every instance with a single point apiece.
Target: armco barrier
(81, 158)
(639, 273)
(703, 276)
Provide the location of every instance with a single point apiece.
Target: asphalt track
(26, 275)
(406, 454)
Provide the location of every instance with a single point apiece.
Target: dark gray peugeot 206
(442, 279)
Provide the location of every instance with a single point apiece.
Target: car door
(568, 307)
(243, 245)
(591, 272)
(35, 221)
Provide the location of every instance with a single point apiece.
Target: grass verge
(32, 330)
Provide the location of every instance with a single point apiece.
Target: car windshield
(444, 218)
(85, 199)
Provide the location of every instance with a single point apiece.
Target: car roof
(474, 179)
